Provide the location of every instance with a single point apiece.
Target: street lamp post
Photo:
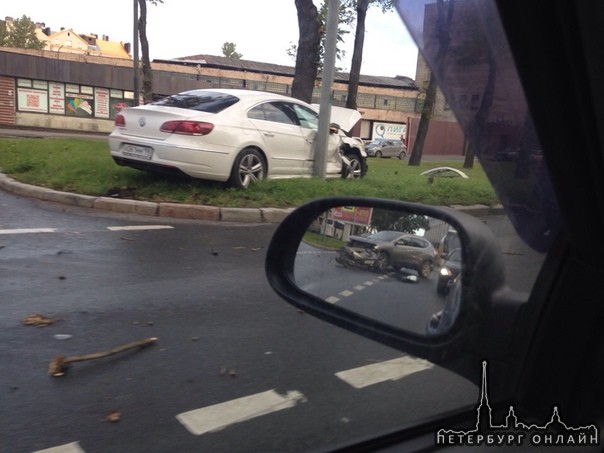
(329, 63)
(135, 54)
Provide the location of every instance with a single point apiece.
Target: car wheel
(402, 155)
(248, 168)
(382, 262)
(426, 269)
(356, 166)
(378, 154)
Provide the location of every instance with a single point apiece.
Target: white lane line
(368, 283)
(219, 416)
(28, 230)
(73, 447)
(140, 227)
(390, 370)
(332, 299)
(359, 288)
(346, 293)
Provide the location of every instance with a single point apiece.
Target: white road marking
(346, 293)
(332, 300)
(140, 227)
(368, 283)
(219, 416)
(359, 288)
(28, 230)
(390, 370)
(73, 447)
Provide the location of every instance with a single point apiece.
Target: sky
(262, 30)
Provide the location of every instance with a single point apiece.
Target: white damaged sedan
(234, 136)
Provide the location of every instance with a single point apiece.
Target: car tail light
(187, 127)
(120, 120)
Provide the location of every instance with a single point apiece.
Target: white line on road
(73, 447)
(140, 227)
(219, 416)
(332, 300)
(28, 230)
(390, 370)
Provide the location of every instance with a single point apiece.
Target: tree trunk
(424, 122)
(445, 17)
(469, 159)
(307, 55)
(357, 55)
(147, 88)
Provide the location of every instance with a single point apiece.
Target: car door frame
(285, 144)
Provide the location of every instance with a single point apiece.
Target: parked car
(238, 136)
(448, 271)
(543, 344)
(396, 249)
(373, 146)
(391, 148)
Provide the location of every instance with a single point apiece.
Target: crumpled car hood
(345, 118)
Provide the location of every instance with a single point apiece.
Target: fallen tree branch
(59, 364)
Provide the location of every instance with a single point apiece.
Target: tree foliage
(385, 219)
(229, 50)
(360, 8)
(345, 19)
(21, 34)
(3, 33)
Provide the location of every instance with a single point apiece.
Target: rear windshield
(203, 101)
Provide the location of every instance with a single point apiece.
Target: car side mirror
(335, 274)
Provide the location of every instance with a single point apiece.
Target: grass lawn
(84, 166)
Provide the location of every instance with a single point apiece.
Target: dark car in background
(448, 271)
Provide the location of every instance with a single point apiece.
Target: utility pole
(329, 64)
(135, 54)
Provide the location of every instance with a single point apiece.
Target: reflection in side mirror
(386, 265)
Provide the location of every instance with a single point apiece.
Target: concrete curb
(176, 210)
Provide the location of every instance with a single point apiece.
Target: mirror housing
(483, 311)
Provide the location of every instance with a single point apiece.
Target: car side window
(277, 112)
(306, 117)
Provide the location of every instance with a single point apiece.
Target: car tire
(356, 166)
(382, 262)
(402, 155)
(378, 154)
(425, 269)
(249, 167)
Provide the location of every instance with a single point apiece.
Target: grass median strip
(84, 166)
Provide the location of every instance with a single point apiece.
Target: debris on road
(113, 416)
(59, 364)
(38, 320)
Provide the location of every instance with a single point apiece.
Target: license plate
(140, 152)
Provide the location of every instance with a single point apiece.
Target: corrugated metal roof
(213, 61)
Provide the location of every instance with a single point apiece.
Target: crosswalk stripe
(219, 416)
(140, 227)
(73, 447)
(28, 230)
(390, 370)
